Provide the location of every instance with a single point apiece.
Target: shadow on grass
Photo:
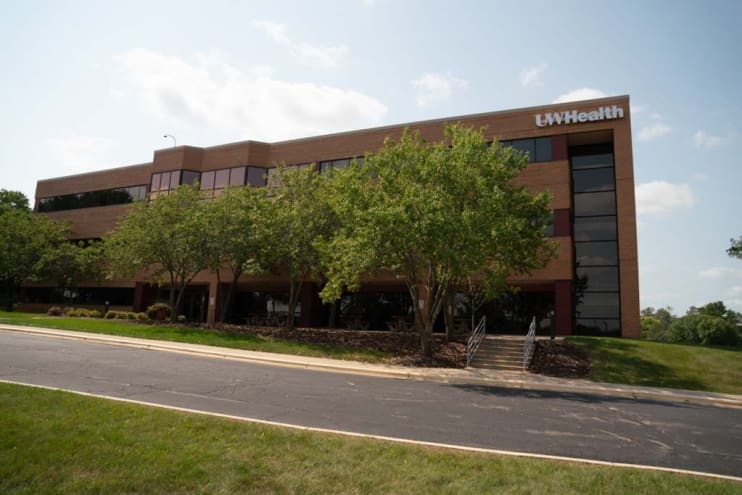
(586, 398)
(618, 361)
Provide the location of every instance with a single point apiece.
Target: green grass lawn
(58, 442)
(191, 336)
(639, 362)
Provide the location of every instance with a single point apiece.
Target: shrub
(651, 328)
(95, 314)
(158, 311)
(122, 315)
(703, 329)
(68, 310)
(55, 311)
(110, 315)
(131, 315)
(141, 316)
(181, 318)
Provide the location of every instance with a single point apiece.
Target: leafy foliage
(656, 322)
(433, 214)
(735, 250)
(704, 329)
(164, 239)
(13, 199)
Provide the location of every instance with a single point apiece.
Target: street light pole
(171, 137)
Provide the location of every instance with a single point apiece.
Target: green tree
(165, 240)
(13, 199)
(656, 322)
(434, 214)
(717, 309)
(24, 240)
(235, 238)
(735, 250)
(298, 220)
(69, 263)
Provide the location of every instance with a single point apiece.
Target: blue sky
(94, 85)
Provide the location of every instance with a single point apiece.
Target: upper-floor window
(537, 149)
(91, 199)
(214, 182)
(164, 182)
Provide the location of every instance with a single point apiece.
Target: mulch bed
(559, 358)
(404, 346)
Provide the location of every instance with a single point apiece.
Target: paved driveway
(698, 438)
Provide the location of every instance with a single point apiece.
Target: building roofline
(92, 172)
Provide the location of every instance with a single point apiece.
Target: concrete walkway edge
(476, 377)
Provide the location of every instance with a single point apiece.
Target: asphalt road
(698, 438)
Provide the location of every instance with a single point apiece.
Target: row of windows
(106, 197)
(537, 149)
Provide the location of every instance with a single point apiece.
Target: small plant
(68, 311)
(181, 318)
(110, 315)
(142, 316)
(131, 315)
(159, 311)
(95, 314)
(55, 311)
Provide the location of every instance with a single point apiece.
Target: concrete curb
(534, 383)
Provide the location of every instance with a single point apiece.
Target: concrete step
(497, 367)
(498, 361)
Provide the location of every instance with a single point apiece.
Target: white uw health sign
(575, 117)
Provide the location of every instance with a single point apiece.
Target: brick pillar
(563, 307)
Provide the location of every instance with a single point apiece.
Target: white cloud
(580, 94)
(313, 55)
(703, 140)
(433, 87)
(659, 197)
(637, 109)
(251, 103)
(532, 78)
(654, 131)
(78, 153)
(721, 272)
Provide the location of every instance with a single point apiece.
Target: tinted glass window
(596, 326)
(325, 165)
(599, 278)
(543, 149)
(527, 146)
(155, 184)
(596, 253)
(174, 179)
(207, 180)
(340, 163)
(599, 305)
(190, 177)
(595, 229)
(221, 179)
(237, 176)
(256, 176)
(592, 161)
(360, 160)
(593, 180)
(164, 181)
(602, 203)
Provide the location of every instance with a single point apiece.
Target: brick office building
(580, 152)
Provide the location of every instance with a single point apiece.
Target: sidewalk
(525, 381)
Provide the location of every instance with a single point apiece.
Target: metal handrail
(529, 344)
(475, 339)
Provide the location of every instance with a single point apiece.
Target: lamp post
(171, 137)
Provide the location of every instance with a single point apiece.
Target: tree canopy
(735, 250)
(433, 214)
(13, 199)
(164, 239)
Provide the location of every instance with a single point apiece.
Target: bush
(95, 314)
(110, 315)
(181, 318)
(159, 311)
(55, 311)
(131, 315)
(68, 311)
(118, 315)
(141, 316)
(651, 328)
(703, 329)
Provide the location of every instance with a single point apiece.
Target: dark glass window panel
(599, 305)
(342, 163)
(596, 253)
(588, 204)
(155, 185)
(325, 166)
(164, 181)
(595, 229)
(221, 179)
(604, 278)
(592, 161)
(174, 179)
(207, 180)
(237, 176)
(594, 180)
(190, 177)
(543, 149)
(360, 160)
(256, 176)
(527, 146)
(598, 326)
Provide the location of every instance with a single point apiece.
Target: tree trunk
(426, 337)
(176, 308)
(171, 298)
(448, 314)
(333, 314)
(294, 291)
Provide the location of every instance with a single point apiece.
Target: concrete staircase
(500, 352)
